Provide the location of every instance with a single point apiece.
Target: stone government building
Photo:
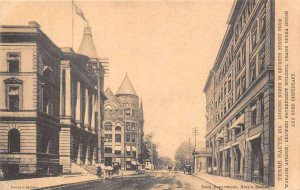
(123, 127)
(240, 97)
(51, 105)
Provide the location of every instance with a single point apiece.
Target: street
(153, 180)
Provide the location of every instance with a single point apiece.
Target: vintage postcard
(150, 94)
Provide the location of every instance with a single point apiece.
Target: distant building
(29, 101)
(240, 97)
(123, 127)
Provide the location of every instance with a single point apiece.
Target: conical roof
(141, 110)
(87, 46)
(126, 88)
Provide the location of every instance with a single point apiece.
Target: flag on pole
(79, 12)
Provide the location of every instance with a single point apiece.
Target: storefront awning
(254, 137)
(128, 148)
(118, 148)
(239, 122)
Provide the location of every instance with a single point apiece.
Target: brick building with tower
(123, 127)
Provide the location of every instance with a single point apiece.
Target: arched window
(13, 141)
(118, 128)
(108, 126)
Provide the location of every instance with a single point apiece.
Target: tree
(149, 150)
(183, 155)
(164, 162)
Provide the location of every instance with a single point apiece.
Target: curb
(207, 182)
(80, 183)
(69, 184)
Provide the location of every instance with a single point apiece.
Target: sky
(166, 47)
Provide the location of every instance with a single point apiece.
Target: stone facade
(29, 103)
(240, 96)
(123, 127)
(51, 103)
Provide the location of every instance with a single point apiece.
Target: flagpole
(72, 24)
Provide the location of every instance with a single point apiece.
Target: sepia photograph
(151, 94)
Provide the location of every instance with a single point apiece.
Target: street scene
(137, 95)
(155, 180)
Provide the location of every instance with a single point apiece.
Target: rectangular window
(120, 112)
(108, 137)
(262, 26)
(238, 62)
(133, 138)
(228, 132)
(133, 113)
(13, 60)
(229, 83)
(127, 137)
(128, 126)
(133, 126)
(237, 32)
(254, 36)
(127, 112)
(108, 150)
(243, 82)
(225, 90)
(244, 55)
(253, 70)
(261, 60)
(13, 98)
(262, 110)
(253, 115)
(229, 102)
(117, 137)
(238, 88)
(117, 152)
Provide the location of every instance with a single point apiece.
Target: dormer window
(13, 60)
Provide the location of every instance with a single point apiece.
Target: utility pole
(195, 132)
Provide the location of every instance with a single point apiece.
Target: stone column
(80, 151)
(249, 172)
(94, 104)
(232, 156)
(68, 93)
(87, 155)
(78, 101)
(94, 155)
(86, 110)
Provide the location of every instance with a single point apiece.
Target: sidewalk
(227, 183)
(46, 182)
(35, 183)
